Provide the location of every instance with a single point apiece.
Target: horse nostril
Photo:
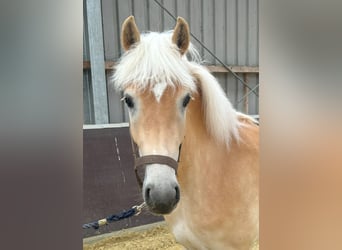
(177, 193)
(147, 193)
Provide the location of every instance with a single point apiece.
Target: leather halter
(142, 161)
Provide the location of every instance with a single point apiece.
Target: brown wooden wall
(109, 184)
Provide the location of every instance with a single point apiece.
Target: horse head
(157, 88)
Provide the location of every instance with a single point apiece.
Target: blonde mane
(221, 118)
(155, 59)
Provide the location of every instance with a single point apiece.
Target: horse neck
(197, 141)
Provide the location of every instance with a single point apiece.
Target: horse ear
(129, 33)
(181, 35)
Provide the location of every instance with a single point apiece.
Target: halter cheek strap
(151, 159)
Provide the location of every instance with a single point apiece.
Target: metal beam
(98, 78)
(212, 68)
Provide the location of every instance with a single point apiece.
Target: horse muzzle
(158, 183)
(160, 189)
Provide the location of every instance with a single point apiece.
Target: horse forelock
(154, 60)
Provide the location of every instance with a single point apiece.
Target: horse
(180, 116)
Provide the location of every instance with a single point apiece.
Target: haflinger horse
(211, 201)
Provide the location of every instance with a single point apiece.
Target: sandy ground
(156, 236)
(150, 237)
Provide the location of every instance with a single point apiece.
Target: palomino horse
(211, 201)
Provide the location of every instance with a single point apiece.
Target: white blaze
(158, 90)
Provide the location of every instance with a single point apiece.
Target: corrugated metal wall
(229, 28)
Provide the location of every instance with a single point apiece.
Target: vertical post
(245, 91)
(98, 78)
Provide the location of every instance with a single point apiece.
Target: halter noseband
(141, 161)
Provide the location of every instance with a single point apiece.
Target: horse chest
(189, 233)
(184, 235)
(194, 240)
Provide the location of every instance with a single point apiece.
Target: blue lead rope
(136, 210)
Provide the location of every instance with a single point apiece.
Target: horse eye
(129, 101)
(186, 100)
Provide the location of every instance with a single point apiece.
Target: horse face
(157, 124)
